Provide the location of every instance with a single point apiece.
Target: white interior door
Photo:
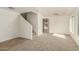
(72, 24)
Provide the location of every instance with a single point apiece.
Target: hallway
(45, 42)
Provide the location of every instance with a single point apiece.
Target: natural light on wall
(59, 35)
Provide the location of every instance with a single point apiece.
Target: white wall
(8, 25)
(40, 24)
(12, 25)
(59, 24)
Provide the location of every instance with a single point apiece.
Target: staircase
(24, 15)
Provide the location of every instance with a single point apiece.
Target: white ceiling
(25, 9)
(56, 11)
(47, 11)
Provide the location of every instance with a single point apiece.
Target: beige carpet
(45, 42)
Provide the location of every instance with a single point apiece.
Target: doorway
(45, 25)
